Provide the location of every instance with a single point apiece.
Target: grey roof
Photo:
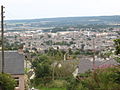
(86, 64)
(13, 63)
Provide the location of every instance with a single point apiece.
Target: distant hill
(71, 20)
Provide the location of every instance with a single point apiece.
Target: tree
(117, 50)
(7, 82)
(82, 46)
(117, 46)
(70, 52)
(42, 68)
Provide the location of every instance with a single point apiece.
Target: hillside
(70, 21)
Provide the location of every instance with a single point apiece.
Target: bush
(73, 84)
(7, 82)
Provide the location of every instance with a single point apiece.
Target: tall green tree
(117, 46)
(42, 68)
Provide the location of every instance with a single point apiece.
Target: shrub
(7, 82)
(73, 84)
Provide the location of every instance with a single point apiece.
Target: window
(17, 81)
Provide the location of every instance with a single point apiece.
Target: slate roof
(86, 64)
(13, 63)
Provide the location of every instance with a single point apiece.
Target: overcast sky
(31, 9)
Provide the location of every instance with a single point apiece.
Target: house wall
(21, 82)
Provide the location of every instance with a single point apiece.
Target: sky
(33, 9)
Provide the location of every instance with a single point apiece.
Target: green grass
(52, 88)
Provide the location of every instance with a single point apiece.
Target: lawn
(52, 89)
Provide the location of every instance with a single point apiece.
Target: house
(14, 65)
(86, 64)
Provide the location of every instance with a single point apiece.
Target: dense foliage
(46, 71)
(7, 82)
(42, 69)
(101, 79)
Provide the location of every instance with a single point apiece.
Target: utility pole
(94, 72)
(2, 36)
(93, 53)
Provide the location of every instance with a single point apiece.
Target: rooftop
(13, 62)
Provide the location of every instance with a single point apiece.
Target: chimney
(20, 51)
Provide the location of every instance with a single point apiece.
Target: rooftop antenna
(2, 36)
